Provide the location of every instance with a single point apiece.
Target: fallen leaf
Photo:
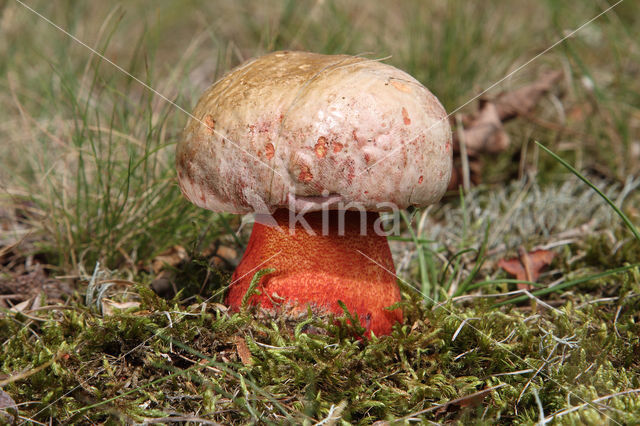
(227, 253)
(527, 266)
(485, 132)
(20, 307)
(243, 350)
(9, 406)
(522, 101)
(482, 132)
(172, 257)
(6, 401)
(472, 400)
(225, 257)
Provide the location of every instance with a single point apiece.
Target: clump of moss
(609, 250)
(163, 359)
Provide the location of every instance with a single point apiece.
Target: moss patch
(165, 360)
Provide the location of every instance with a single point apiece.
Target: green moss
(611, 250)
(131, 366)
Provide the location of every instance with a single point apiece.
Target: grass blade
(620, 213)
(567, 284)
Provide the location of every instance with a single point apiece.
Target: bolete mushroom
(317, 144)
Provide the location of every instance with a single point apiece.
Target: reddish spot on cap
(401, 87)
(210, 122)
(355, 136)
(405, 116)
(305, 174)
(321, 147)
(349, 167)
(337, 147)
(420, 179)
(264, 127)
(269, 150)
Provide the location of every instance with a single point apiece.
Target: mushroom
(316, 146)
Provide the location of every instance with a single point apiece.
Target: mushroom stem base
(321, 268)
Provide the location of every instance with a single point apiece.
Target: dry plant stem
(322, 269)
(466, 180)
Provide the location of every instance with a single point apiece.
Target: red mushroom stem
(322, 269)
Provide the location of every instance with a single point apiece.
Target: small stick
(464, 158)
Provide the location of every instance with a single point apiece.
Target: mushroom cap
(305, 131)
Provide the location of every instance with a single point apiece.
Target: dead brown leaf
(527, 266)
(9, 406)
(522, 101)
(227, 254)
(472, 400)
(171, 257)
(22, 306)
(243, 350)
(482, 132)
(6, 401)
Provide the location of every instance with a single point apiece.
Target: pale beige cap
(301, 130)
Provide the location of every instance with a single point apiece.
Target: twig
(545, 362)
(539, 404)
(335, 413)
(172, 419)
(452, 402)
(461, 326)
(513, 373)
